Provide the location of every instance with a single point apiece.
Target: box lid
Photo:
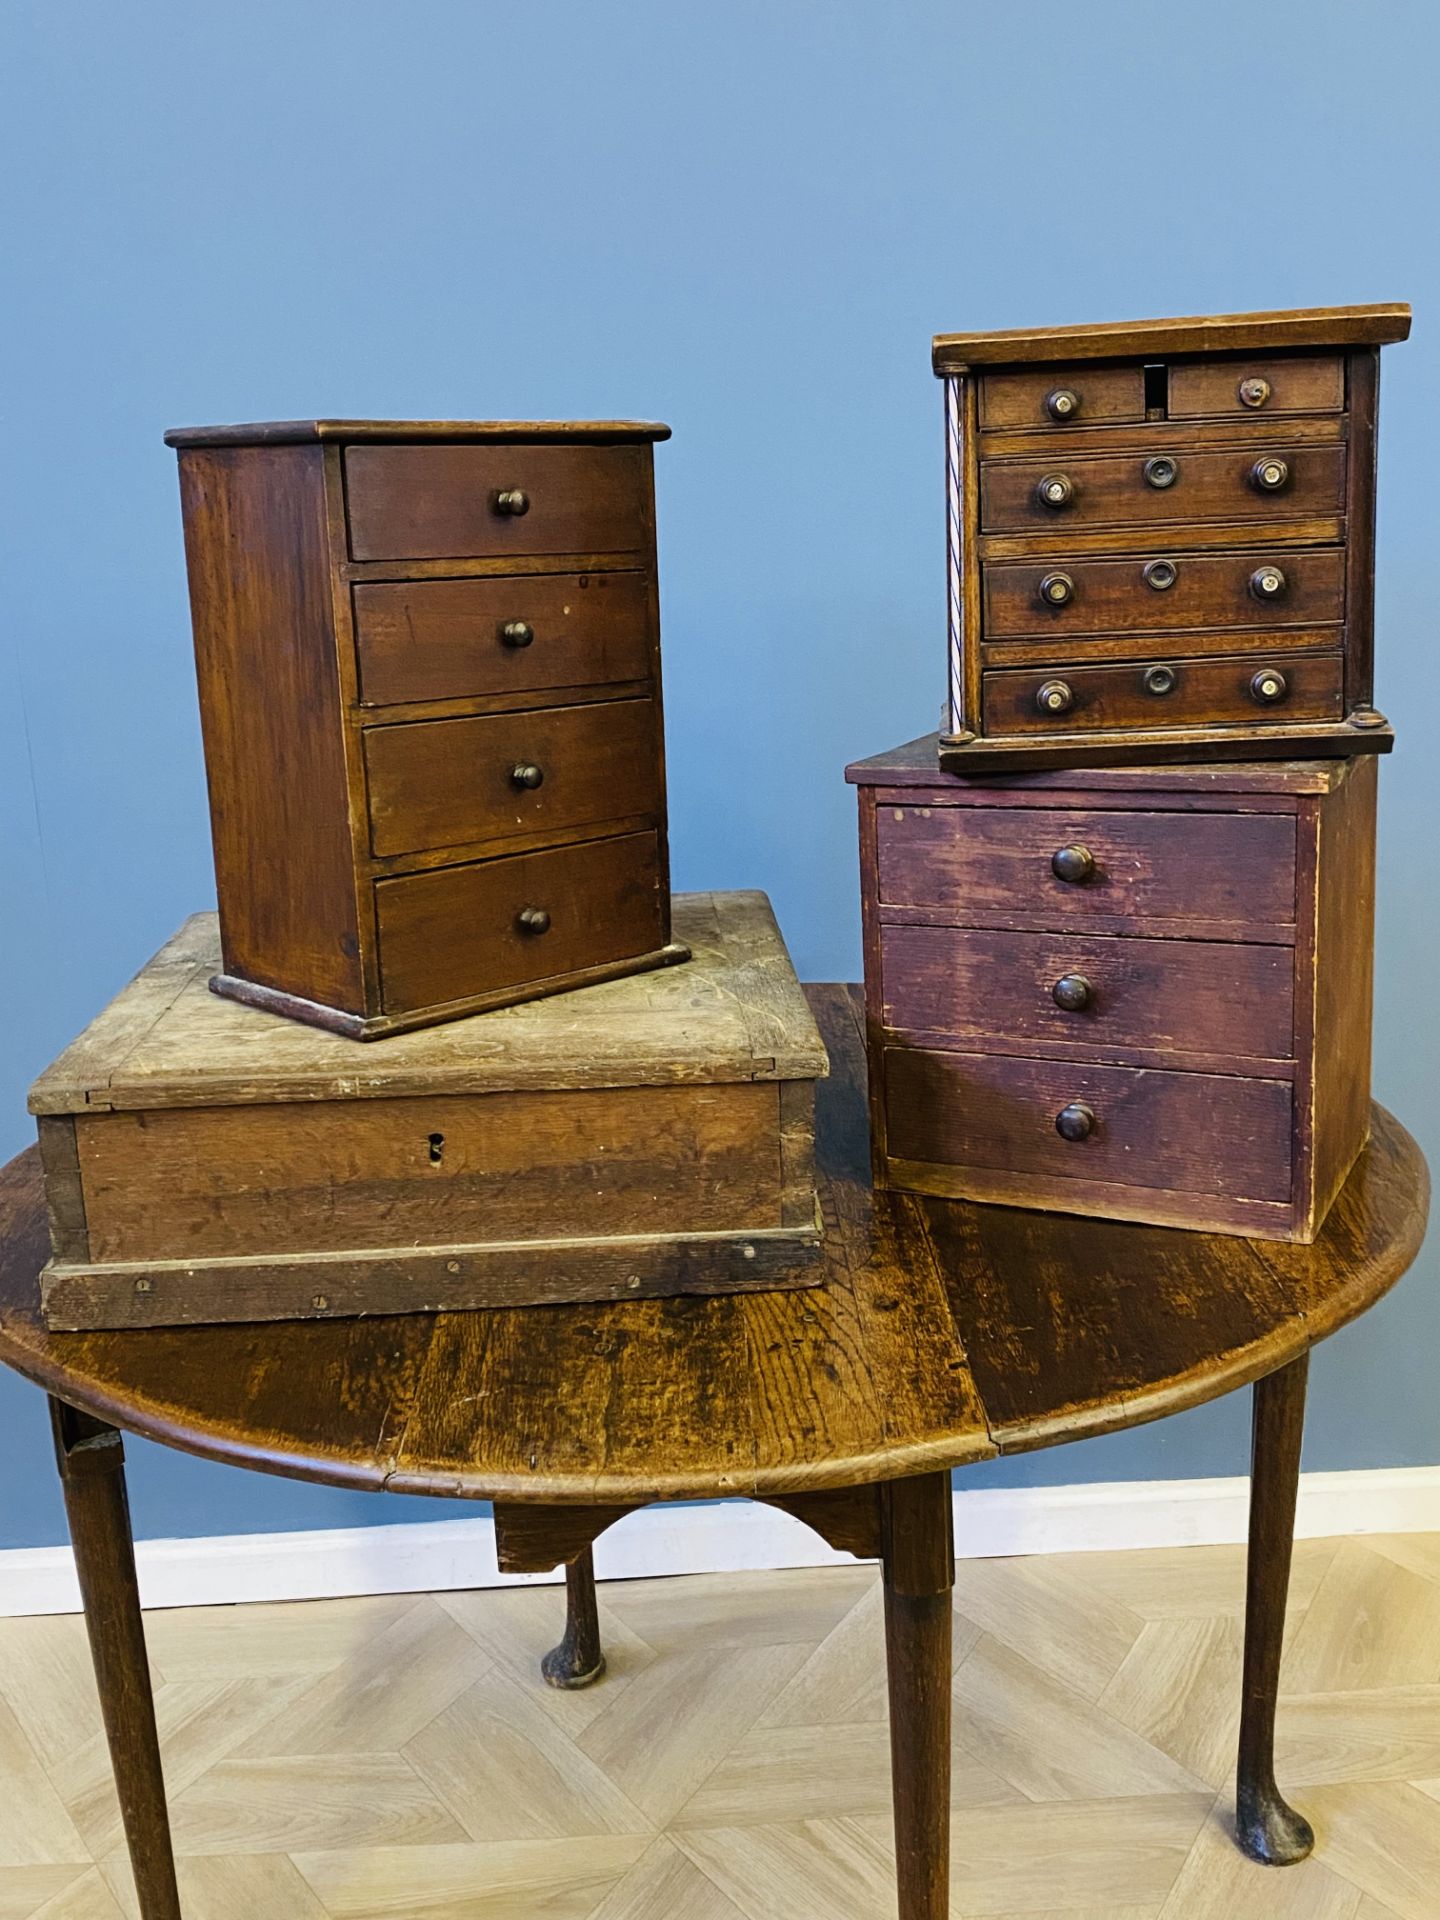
(285, 433)
(916, 764)
(1373, 326)
(733, 1012)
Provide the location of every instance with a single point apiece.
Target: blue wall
(746, 220)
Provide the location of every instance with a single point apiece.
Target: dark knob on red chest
(1076, 1121)
(1269, 687)
(1073, 992)
(512, 501)
(533, 920)
(526, 774)
(517, 633)
(1074, 864)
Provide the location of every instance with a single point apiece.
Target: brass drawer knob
(1062, 404)
(1054, 696)
(1075, 1122)
(513, 501)
(526, 774)
(1074, 864)
(1057, 590)
(1269, 687)
(517, 633)
(1160, 680)
(1253, 392)
(1162, 471)
(533, 920)
(1268, 583)
(1270, 475)
(1056, 490)
(1160, 574)
(1073, 992)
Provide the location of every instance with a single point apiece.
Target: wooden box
(429, 669)
(650, 1136)
(1161, 540)
(1143, 994)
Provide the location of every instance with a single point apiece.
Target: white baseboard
(724, 1537)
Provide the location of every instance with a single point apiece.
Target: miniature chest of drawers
(204, 1165)
(1161, 540)
(429, 670)
(1143, 994)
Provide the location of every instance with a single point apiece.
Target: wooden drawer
(444, 502)
(1282, 383)
(1098, 393)
(1153, 489)
(1204, 590)
(440, 783)
(457, 932)
(1190, 870)
(515, 633)
(1207, 692)
(1183, 1132)
(983, 987)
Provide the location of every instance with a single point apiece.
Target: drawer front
(459, 931)
(517, 633)
(443, 503)
(1213, 389)
(1175, 996)
(446, 783)
(1062, 396)
(1244, 484)
(1164, 591)
(1185, 1132)
(1235, 869)
(1221, 692)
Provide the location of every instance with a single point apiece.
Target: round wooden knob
(1062, 404)
(1268, 583)
(1057, 590)
(1054, 696)
(526, 774)
(1075, 1122)
(1161, 680)
(513, 501)
(1269, 687)
(1270, 475)
(533, 920)
(1254, 392)
(1055, 490)
(1162, 471)
(1161, 575)
(517, 633)
(1073, 992)
(1075, 864)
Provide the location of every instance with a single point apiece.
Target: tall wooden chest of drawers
(1143, 994)
(1161, 540)
(429, 669)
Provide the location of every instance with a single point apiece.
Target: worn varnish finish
(1156, 495)
(205, 1162)
(425, 647)
(946, 1332)
(1141, 995)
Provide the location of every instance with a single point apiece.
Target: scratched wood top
(1370, 326)
(945, 1333)
(280, 433)
(734, 1011)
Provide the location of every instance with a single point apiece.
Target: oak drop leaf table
(946, 1333)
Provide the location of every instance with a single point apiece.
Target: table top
(945, 1333)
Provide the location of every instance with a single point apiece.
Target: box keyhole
(437, 1148)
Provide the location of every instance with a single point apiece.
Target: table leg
(92, 1471)
(917, 1557)
(1268, 1829)
(579, 1660)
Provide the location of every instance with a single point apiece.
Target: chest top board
(1161, 540)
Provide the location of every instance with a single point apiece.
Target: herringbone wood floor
(400, 1758)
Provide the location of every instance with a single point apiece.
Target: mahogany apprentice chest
(1143, 994)
(1161, 539)
(429, 670)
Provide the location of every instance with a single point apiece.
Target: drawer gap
(1157, 386)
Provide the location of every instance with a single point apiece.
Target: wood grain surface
(1373, 325)
(945, 1332)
